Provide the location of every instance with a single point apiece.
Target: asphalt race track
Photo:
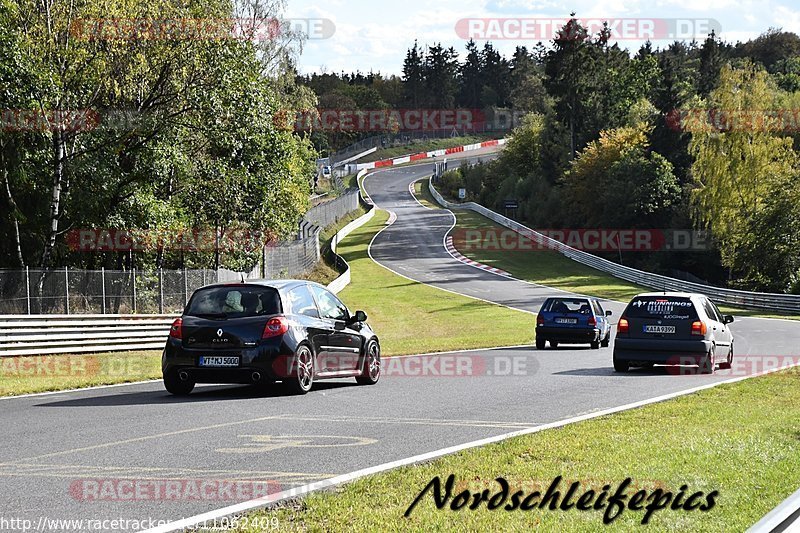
(53, 447)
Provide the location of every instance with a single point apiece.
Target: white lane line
(82, 389)
(369, 252)
(451, 249)
(414, 196)
(352, 476)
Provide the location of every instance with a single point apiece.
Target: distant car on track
(572, 320)
(673, 328)
(264, 331)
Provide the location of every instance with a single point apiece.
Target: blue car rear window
(568, 305)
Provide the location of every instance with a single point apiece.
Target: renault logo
(219, 332)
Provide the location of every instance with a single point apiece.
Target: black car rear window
(234, 301)
(668, 307)
(567, 305)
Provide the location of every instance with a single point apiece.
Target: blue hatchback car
(572, 320)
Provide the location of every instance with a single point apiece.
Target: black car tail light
(539, 320)
(622, 326)
(176, 330)
(592, 321)
(275, 327)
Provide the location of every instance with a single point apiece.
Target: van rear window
(661, 307)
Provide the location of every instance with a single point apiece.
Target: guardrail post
(134, 290)
(103, 282)
(28, 287)
(161, 291)
(66, 288)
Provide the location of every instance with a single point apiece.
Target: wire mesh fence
(75, 291)
(290, 259)
(329, 212)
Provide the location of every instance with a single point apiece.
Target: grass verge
(325, 271)
(43, 373)
(718, 439)
(423, 194)
(554, 270)
(411, 317)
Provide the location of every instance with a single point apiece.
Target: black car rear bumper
(568, 334)
(661, 351)
(271, 361)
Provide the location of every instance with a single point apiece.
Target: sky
(374, 36)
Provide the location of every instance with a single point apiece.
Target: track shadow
(609, 371)
(200, 394)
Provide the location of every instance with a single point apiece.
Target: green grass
(411, 317)
(718, 439)
(422, 146)
(423, 193)
(554, 270)
(542, 266)
(42, 373)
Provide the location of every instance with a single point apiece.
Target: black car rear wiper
(210, 315)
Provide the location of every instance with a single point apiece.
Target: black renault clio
(264, 331)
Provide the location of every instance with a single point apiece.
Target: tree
(440, 70)
(413, 75)
(739, 155)
(470, 78)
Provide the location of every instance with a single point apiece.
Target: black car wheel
(595, 345)
(303, 378)
(540, 343)
(177, 386)
(554, 344)
(605, 342)
(728, 362)
(620, 365)
(372, 365)
(708, 363)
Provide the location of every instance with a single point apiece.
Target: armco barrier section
(745, 299)
(344, 279)
(58, 334)
(432, 153)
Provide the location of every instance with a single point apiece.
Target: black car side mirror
(727, 319)
(608, 313)
(358, 316)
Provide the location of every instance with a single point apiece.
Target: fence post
(103, 282)
(28, 287)
(66, 287)
(134, 290)
(161, 291)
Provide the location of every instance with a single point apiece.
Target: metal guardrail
(59, 334)
(785, 517)
(736, 298)
(344, 279)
